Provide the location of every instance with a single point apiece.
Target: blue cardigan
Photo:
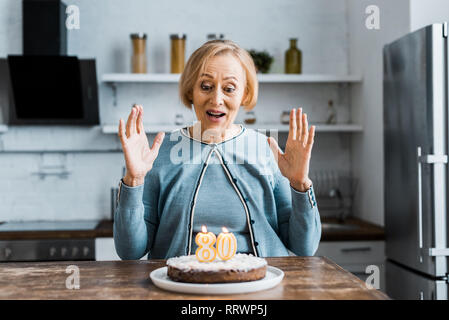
(157, 217)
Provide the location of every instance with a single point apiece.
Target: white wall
(320, 25)
(365, 57)
(106, 26)
(423, 13)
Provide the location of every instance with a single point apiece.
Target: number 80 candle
(226, 244)
(205, 241)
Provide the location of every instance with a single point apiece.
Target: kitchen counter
(365, 232)
(103, 229)
(305, 278)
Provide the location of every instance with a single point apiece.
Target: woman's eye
(205, 87)
(229, 89)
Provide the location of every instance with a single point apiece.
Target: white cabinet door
(362, 258)
(352, 252)
(105, 250)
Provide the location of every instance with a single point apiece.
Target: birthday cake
(240, 268)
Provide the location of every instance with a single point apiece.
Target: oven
(47, 241)
(47, 250)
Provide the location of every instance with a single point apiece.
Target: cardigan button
(252, 221)
(256, 243)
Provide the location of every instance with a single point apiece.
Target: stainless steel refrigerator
(415, 157)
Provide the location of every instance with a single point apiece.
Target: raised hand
(139, 158)
(294, 163)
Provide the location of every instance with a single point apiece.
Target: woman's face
(219, 92)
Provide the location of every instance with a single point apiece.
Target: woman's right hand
(139, 158)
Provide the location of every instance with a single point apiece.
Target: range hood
(53, 90)
(46, 86)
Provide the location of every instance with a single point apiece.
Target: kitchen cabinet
(357, 257)
(105, 250)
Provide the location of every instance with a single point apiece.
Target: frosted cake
(242, 267)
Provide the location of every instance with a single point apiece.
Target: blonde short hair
(197, 64)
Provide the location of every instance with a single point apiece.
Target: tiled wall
(29, 190)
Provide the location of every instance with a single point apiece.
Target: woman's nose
(217, 98)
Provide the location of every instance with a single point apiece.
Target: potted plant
(262, 60)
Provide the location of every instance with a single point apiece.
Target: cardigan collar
(185, 132)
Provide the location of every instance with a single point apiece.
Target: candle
(226, 244)
(205, 241)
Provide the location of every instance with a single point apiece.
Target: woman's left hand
(294, 162)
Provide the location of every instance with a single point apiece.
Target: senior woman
(216, 173)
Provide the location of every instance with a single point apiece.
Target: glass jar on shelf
(178, 49)
(285, 117)
(215, 36)
(139, 58)
(179, 119)
(250, 117)
(331, 113)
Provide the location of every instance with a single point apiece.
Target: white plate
(272, 278)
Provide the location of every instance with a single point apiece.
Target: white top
(240, 262)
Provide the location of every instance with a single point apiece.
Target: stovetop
(44, 225)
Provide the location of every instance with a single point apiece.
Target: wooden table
(305, 278)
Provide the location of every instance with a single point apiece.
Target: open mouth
(215, 114)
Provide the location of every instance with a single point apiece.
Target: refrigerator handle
(428, 159)
(418, 153)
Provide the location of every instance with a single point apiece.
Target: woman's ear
(190, 96)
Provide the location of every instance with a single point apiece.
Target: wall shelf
(263, 78)
(144, 77)
(112, 79)
(342, 128)
(111, 128)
